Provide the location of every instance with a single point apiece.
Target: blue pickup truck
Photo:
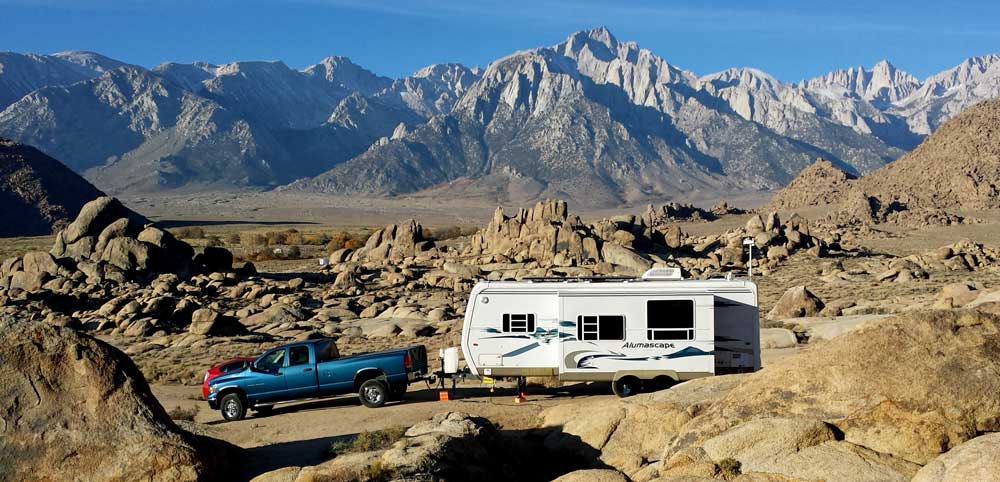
(315, 369)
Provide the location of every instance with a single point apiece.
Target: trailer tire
(626, 386)
(373, 393)
(232, 407)
(663, 382)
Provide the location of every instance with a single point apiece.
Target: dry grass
(374, 472)
(10, 247)
(368, 441)
(181, 413)
(729, 468)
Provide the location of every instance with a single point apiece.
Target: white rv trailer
(626, 331)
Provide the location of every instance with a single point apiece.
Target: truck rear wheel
(232, 407)
(373, 393)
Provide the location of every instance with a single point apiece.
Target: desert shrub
(294, 237)
(253, 239)
(315, 239)
(367, 441)
(185, 414)
(268, 253)
(729, 467)
(189, 232)
(214, 241)
(345, 239)
(233, 238)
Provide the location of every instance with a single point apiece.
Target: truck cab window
(600, 327)
(272, 361)
(326, 351)
(670, 320)
(298, 355)
(518, 323)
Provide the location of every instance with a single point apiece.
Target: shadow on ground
(572, 454)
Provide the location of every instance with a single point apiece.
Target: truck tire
(232, 407)
(396, 392)
(373, 393)
(626, 386)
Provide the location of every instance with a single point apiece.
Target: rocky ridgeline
(674, 212)
(861, 209)
(546, 240)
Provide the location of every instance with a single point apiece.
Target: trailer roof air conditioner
(663, 274)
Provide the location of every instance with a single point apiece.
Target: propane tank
(449, 356)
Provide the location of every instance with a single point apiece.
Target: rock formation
(956, 168)
(74, 408)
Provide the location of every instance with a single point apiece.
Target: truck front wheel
(373, 393)
(232, 407)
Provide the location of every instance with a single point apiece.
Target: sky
(791, 40)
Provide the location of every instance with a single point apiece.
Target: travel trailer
(659, 329)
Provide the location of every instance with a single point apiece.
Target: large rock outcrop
(74, 408)
(394, 243)
(108, 243)
(955, 168)
(890, 388)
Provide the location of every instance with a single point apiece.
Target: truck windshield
(272, 360)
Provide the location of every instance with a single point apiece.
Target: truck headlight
(213, 389)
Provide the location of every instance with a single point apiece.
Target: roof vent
(663, 274)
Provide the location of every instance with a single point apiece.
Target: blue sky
(790, 39)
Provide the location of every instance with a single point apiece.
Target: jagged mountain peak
(882, 85)
(593, 39)
(344, 74)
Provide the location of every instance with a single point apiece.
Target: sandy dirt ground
(300, 434)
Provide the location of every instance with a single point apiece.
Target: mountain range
(593, 119)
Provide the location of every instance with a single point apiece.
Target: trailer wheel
(373, 393)
(626, 386)
(663, 382)
(232, 407)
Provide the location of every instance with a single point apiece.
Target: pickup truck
(314, 369)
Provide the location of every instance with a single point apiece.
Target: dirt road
(299, 434)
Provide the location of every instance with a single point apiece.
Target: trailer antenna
(749, 243)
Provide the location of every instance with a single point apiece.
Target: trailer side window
(518, 323)
(600, 327)
(670, 320)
